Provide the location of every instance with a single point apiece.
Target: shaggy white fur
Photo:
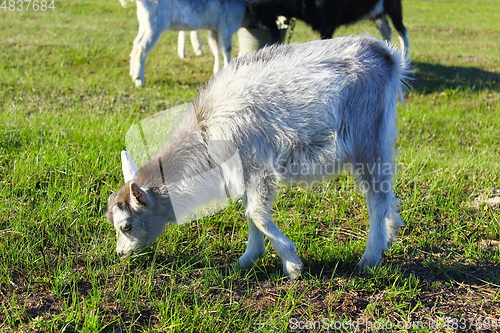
(292, 114)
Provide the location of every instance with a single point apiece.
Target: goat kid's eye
(126, 228)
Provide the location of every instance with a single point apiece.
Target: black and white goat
(325, 16)
(222, 17)
(292, 114)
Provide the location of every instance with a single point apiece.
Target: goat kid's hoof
(243, 265)
(369, 262)
(293, 270)
(139, 83)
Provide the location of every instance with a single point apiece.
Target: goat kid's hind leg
(213, 43)
(260, 196)
(225, 45)
(384, 220)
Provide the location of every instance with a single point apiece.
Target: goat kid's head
(132, 212)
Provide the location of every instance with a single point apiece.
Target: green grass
(66, 102)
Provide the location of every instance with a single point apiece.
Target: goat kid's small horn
(129, 169)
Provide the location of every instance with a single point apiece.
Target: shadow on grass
(475, 275)
(484, 273)
(430, 78)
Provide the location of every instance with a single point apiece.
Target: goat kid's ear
(137, 195)
(129, 169)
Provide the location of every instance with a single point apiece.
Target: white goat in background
(222, 17)
(292, 114)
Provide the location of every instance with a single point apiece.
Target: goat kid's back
(296, 114)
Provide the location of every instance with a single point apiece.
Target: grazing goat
(222, 17)
(325, 16)
(293, 114)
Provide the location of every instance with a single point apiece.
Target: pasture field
(66, 102)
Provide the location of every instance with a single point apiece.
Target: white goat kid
(222, 17)
(295, 114)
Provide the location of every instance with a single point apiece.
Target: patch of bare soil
(486, 200)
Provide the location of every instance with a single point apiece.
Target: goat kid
(287, 114)
(222, 17)
(325, 16)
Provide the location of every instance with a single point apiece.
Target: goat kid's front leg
(196, 42)
(256, 247)
(259, 198)
(135, 49)
(292, 265)
(150, 29)
(181, 44)
(141, 53)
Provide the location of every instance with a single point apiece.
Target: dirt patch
(491, 200)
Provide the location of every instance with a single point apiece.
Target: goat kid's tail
(403, 69)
